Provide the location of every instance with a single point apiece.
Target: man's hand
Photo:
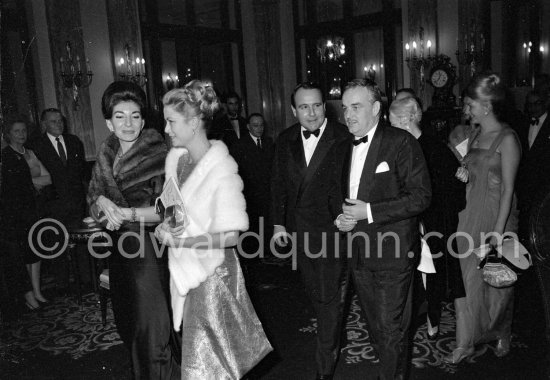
(279, 233)
(355, 209)
(344, 224)
(462, 174)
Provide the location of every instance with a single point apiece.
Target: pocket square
(382, 167)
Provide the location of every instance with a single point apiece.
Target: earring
(193, 131)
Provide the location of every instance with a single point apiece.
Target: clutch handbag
(501, 265)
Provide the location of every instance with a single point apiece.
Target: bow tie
(363, 139)
(534, 121)
(309, 133)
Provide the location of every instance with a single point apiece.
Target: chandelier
(134, 71)
(75, 73)
(331, 48)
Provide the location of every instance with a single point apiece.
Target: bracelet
(133, 214)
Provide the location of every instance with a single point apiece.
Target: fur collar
(143, 161)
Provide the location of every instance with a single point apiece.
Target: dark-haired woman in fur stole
(126, 179)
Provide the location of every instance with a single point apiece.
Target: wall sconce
(335, 91)
(370, 72)
(331, 48)
(134, 70)
(72, 75)
(416, 60)
(474, 50)
(171, 82)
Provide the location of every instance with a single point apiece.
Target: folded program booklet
(462, 148)
(170, 203)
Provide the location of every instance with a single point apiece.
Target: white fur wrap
(215, 203)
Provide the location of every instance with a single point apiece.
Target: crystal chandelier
(331, 48)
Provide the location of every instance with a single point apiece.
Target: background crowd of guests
(313, 189)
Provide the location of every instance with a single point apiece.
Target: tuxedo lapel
(543, 135)
(297, 151)
(367, 175)
(323, 146)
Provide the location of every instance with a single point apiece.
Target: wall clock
(443, 79)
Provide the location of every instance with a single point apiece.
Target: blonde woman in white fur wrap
(222, 337)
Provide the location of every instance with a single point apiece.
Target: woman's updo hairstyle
(407, 107)
(487, 88)
(199, 96)
(122, 91)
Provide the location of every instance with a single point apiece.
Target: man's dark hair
(232, 94)
(256, 114)
(370, 85)
(47, 111)
(306, 86)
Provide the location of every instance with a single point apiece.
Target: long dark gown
(448, 199)
(138, 276)
(485, 314)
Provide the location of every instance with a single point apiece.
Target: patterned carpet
(68, 341)
(63, 327)
(426, 353)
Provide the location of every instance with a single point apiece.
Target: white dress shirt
(534, 129)
(54, 143)
(311, 143)
(255, 139)
(236, 127)
(358, 157)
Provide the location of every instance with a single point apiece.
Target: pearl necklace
(24, 150)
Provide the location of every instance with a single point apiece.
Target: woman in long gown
(222, 337)
(490, 168)
(440, 220)
(126, 180)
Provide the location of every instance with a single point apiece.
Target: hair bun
(204, 94)
(493, 80)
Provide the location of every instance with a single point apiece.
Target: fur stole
(214, 203)
(143, 161)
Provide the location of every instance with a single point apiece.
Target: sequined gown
(485, 314)
(220, 329)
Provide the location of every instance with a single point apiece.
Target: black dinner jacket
(222, 129)
(308, 198)
(68, 180)
(254, 168)
(397, 197)
(532, 179)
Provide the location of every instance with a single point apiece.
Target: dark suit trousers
(386, 299)
(139, 293)
(327, 294)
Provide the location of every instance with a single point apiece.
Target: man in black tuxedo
(230, 127)
(532, 180)
(305, 202)
(387, 185)
(254, 155)
(63, 156)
